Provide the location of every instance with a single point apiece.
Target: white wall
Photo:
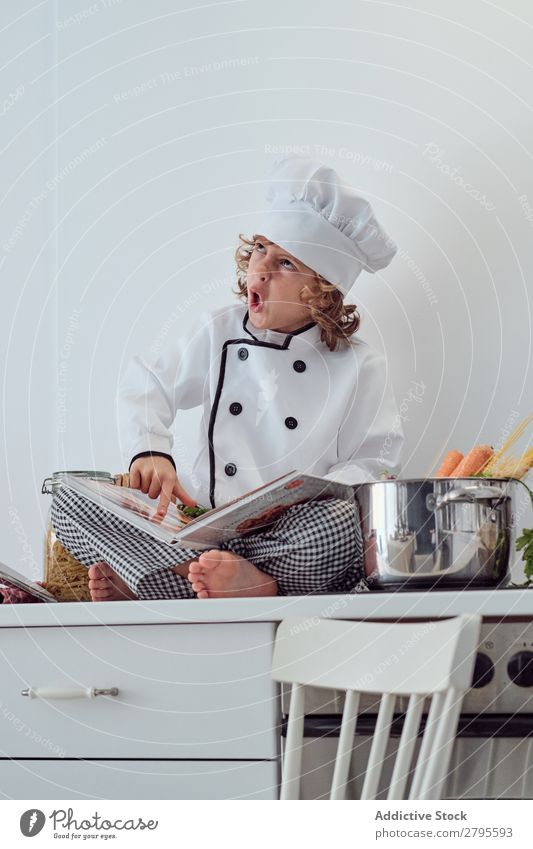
(28, 318)
(161, 119)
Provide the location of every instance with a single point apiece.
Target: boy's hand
(156, 476)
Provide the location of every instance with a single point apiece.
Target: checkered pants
(312, 548)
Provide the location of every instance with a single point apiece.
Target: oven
(493, 751)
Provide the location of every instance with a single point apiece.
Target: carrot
(474, 462)
(450, 462)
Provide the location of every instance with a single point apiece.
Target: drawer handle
(65, 693)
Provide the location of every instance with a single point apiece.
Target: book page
(11, 578)
(131, 505)
(252, 513)
(257, 511)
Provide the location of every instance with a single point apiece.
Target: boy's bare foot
(106, 585)
(222, 574)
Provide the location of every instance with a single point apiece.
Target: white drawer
(138, 780)
(185, 691)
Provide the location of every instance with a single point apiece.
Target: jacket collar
(303, 337)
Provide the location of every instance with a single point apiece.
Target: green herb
(193, 512)
(526, 542)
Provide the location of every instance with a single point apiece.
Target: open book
(250, 514)
(11, 578)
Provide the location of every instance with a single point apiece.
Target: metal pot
(450, 532)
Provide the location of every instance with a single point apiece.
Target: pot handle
(469, 495)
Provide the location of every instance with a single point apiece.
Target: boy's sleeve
(153, 390)
(371, 436)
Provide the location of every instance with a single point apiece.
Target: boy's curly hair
(337, 320)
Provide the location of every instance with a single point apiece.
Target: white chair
(416, 659)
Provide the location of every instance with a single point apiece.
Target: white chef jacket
(272, 403)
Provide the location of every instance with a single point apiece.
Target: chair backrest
(415, 659)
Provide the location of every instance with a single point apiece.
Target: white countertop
(377, 605)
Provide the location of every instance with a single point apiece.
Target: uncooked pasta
(64, 576)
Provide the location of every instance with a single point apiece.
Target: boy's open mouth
(256, 301)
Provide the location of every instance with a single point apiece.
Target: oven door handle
(483, 725)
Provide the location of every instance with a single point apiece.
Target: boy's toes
(100, 590)
(209, 559)
(96, 582)
(106, 585)
(99, 570)
(195, 568)
(100, 595)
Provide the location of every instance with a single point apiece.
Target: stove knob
(520, 669)
(483, 670)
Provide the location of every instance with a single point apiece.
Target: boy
(282, 386)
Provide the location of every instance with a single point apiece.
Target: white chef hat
(322, 222)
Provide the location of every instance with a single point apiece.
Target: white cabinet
(195, 700)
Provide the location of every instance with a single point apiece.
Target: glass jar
(64, 576)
